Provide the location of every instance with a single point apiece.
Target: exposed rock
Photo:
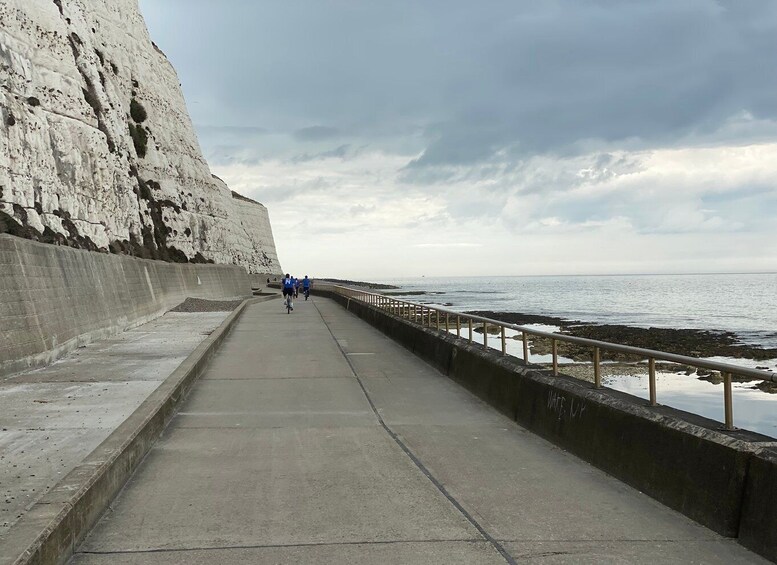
(693, 342)
(369, 285)
(97, 149)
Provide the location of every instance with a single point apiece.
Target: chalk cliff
(97, 149)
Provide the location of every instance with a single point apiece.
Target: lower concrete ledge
(51, 530)
(682, 460)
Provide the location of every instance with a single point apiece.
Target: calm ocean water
(742, 303)
(745, 304)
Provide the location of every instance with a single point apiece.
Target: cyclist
(288, 290)
(306, 287)
(296, 287)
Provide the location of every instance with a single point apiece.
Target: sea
(745, 304)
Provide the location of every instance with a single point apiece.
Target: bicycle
(289, 306)
(307, 293)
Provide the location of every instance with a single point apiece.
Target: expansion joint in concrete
(416, 461)
(276, 546)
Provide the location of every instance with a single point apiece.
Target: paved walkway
(312, 438)
(52, 418)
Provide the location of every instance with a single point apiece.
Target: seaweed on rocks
(154, 245)
(683, 341)
(18, 226)
(199, 258)
(375, 286)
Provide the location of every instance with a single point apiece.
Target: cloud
(448, 245)
(340, 152)
(470, 81)
(553, 132)
(316, 133)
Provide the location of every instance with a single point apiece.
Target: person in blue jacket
(306, 287)
(288, 289)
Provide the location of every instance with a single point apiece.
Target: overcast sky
(444, 137)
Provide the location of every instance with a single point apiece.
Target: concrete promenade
(313, 438)
(52, 418)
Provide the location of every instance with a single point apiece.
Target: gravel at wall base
(202, 305)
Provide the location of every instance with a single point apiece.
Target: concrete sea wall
(725, 481)
(54, 299)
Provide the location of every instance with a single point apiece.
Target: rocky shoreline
(362, 284)
(692, 342)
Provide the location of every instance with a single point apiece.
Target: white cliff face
(97, 149)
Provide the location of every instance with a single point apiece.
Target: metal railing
(444, 319)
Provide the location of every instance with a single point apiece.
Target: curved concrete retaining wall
(52, 529)
(54, 299)
(680, 459)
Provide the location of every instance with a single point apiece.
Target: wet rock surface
(691, 342)
(369, 285)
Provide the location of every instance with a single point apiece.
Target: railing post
(597, 371)
(469, 321)
(447, 322)
(652, 380)
(728, 399)
(554, 345)
(525, 347)
(437, 319)
(458, 326)
(485, 335)
(504, 342)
